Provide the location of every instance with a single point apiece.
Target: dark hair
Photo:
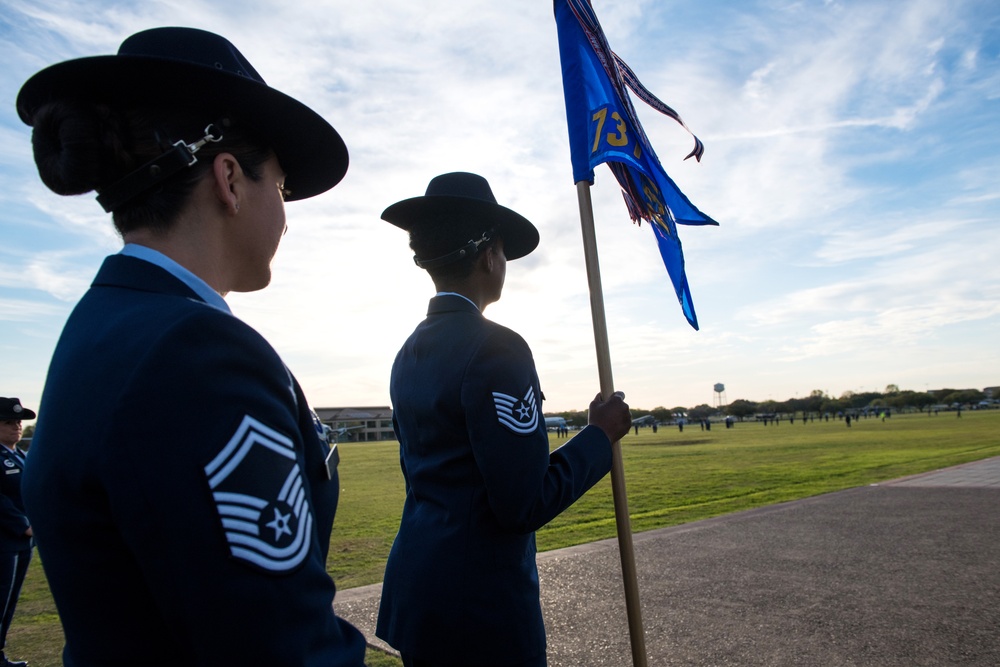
(446, 235)
(81, 146)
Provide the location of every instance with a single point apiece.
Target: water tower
(720, 394)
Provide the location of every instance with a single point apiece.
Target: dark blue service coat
(15, 546)
(461, 580)
(177, 488)
(13, 521)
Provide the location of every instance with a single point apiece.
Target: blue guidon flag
(519, 415)
(257, 486)
(603, 128)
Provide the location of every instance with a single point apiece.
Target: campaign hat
(198, 69)
(464, 196)
(11, 409)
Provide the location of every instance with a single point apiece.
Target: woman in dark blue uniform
(461, 585)
(178, 489)
(15, 528)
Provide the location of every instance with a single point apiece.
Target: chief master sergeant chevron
(461, 585)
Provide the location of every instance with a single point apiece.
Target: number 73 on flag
(614, 144)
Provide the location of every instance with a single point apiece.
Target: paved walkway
(902, 573)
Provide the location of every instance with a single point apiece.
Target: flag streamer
(604, 128)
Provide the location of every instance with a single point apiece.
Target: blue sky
(852, 159)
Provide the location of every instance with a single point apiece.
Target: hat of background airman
(457, 200)
(11, 409)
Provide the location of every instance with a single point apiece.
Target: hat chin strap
(467, 250)
(157, 170)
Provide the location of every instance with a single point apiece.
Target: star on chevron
(280, 524)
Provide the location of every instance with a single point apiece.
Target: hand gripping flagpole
(622, 520)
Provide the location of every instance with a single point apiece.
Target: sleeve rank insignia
(257, 486)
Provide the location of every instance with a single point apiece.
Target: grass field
(672, 478)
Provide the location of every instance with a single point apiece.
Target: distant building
(365, 424)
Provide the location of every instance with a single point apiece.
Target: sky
(852, 160)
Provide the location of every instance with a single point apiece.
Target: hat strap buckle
(470, 248)
(180, 156)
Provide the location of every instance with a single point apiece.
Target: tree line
(817, 403)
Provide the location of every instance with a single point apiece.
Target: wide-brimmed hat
(199, 69)
(10, 408)
(465, 196)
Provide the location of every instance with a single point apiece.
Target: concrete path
(904, 573)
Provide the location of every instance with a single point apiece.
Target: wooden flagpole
(622, 520)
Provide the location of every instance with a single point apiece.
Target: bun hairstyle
(81, 147)
(72, 143)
